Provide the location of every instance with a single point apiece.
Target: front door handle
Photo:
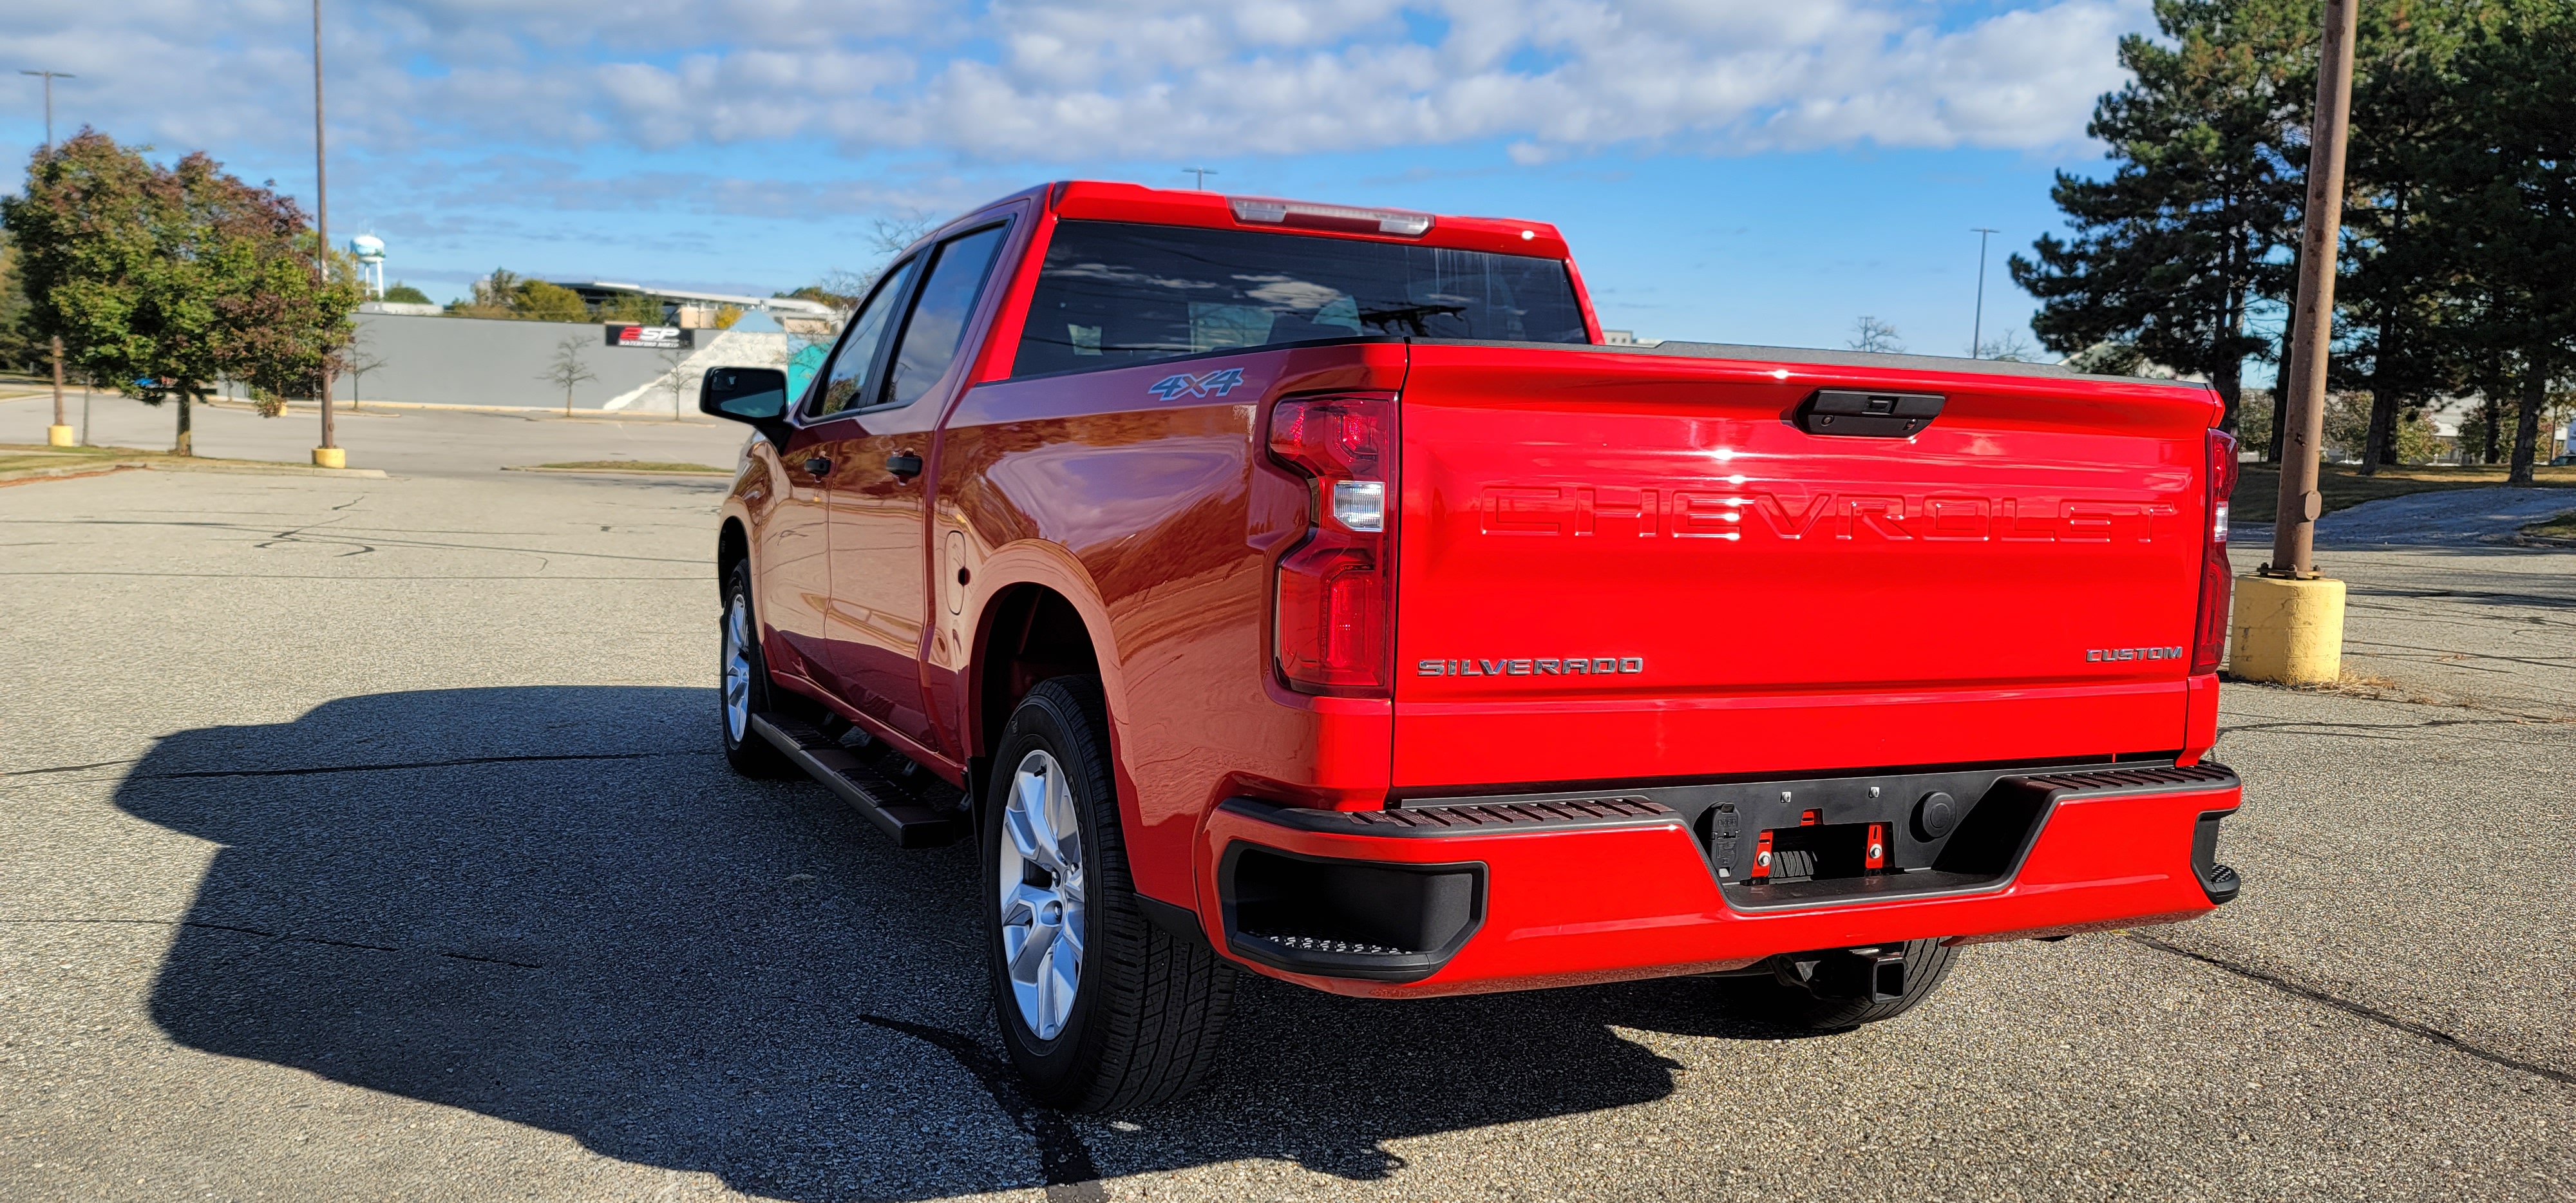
(818, 466)
(904, 463)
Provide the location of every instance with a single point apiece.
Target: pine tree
(2501, 211)
(2174, 248)
(2398, 289)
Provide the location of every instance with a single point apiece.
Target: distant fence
(483, 361)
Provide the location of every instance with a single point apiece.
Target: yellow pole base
(61, 436)
(338, 457)
(2287, 632)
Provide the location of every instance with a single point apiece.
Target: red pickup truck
(1307, 589)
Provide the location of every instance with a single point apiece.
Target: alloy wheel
(1040, 863)
(737, 668)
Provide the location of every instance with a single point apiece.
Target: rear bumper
(1552, 893)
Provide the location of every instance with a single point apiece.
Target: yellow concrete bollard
(2286, 632)
(61, 436)
(338, 457)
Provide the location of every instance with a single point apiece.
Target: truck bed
(1634, 561)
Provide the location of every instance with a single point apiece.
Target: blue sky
(1726, 170)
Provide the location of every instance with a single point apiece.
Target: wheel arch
(733, 546)
(1035, 617)
(1029, 633)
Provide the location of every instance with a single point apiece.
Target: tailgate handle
(1868, 415)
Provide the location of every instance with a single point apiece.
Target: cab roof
(1097, 200)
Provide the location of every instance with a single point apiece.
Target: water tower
(370, 252)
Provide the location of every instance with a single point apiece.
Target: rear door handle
(904, 463)
(818, 466)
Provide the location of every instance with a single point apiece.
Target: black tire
(1835, 994)
(1148, 1008)
(748, 753)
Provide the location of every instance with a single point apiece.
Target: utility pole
(1977, 330)
(1202, 172)
(60, 433)
(329, 454)
(50, 77)
(2288, 625)
(2294, 534)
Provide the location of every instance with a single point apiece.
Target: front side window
(1113, 293)
(938, 323)
(848, 373)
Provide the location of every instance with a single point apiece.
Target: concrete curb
(28, 476)
(519, 411)
(259, 469)
(719, 474)
(233, 467)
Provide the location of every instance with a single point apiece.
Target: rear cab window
(1111, 294)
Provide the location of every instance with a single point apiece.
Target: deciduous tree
(568, 368)
(539, 301)
(163, 280)
(1871, 334)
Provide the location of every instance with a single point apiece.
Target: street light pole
(328, 454)
(1202, 172)
(1977, 330)
(2288, 620)
(60, 433)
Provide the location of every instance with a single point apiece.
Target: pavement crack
(1070, 1174)
(467, 956)
(283, 937)
(67, 768)
(2360, 1010)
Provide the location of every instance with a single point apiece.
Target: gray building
(498, 362)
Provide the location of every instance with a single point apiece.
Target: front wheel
(1100, 1009)
(744, 675)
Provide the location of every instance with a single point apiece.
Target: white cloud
(1062, 80)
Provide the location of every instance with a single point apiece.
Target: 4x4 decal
(1179, 385)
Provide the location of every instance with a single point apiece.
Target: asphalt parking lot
(367, 839)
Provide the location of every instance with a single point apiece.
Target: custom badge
(1182, 384)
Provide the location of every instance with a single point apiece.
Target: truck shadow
(556, 906)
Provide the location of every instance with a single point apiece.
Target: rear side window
(1111, 293)
(938, 322)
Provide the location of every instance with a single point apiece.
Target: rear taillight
(2217, 580)
(1334, 589)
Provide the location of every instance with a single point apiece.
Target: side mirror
(754, 395)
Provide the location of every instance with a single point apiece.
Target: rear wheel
(1845, 987)
(744, 675)
(1100, 1009)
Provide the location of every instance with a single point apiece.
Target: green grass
(2560, 527)
(2258, 489)
(634, 465)
(18, 457)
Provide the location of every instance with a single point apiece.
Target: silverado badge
(1569, 666)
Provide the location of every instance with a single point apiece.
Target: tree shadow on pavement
(556, 906)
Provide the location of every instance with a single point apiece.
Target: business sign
(652, 338)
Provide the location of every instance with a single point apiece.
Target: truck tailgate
(1612, 558)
